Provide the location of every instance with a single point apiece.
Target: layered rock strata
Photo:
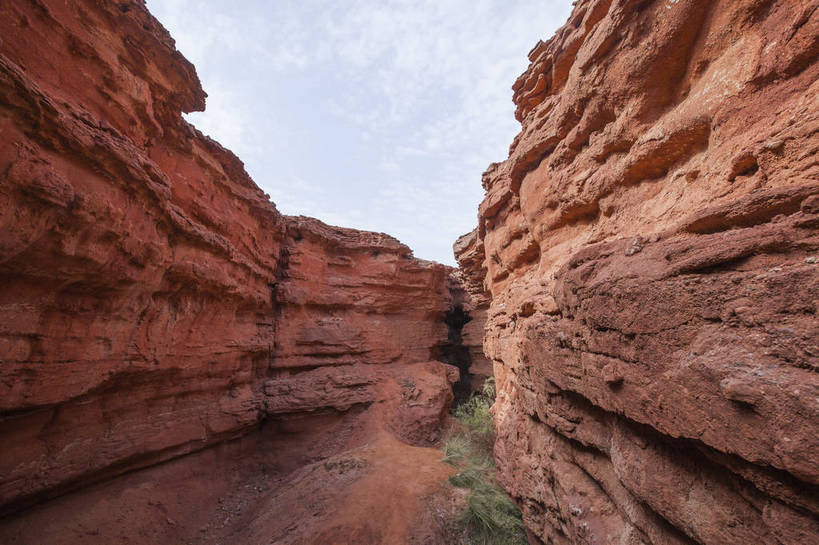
(650, 248)
(153, 299)
(468, 251)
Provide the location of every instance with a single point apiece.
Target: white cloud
(323, 100)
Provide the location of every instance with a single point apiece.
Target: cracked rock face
(469, 253)
(153, 301)
(649, 250)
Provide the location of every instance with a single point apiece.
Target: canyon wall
(468, 251)
(650, 251)
(153, 299)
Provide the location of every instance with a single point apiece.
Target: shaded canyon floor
(331, 478)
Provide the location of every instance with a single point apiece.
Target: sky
(377, 115)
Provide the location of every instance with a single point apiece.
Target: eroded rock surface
(154, 301)
(650, 247)
(469, 253)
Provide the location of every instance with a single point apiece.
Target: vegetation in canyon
(489, 517)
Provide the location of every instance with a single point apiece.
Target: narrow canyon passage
(455, 353)
(179, 362)
(182, 363)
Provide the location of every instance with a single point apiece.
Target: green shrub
(474, 416)
(490, 517)
(457, 449)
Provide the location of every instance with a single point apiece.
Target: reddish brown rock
(468, 251)
(650, 250)
(348, 296)
(153, 301)
(309, 478)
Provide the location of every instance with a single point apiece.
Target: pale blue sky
(374, 115)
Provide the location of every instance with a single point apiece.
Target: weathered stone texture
(153, 301)
(650, 249)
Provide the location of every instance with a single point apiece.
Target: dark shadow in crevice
(455, 353)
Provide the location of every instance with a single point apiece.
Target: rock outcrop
(468, 251)
(650, 247)
(154, 301)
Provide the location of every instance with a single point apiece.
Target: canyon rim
(181, 363)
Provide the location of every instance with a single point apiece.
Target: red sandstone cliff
(152, 300)
(468, 251)
(650, 247)
(646, 260)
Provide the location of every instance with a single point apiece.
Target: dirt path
(347, 481)
(385, 505)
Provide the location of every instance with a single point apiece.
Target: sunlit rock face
(650, 251)
(153, 301)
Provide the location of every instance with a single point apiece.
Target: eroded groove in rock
(649, 251)
(455, 353)
(474, 301)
